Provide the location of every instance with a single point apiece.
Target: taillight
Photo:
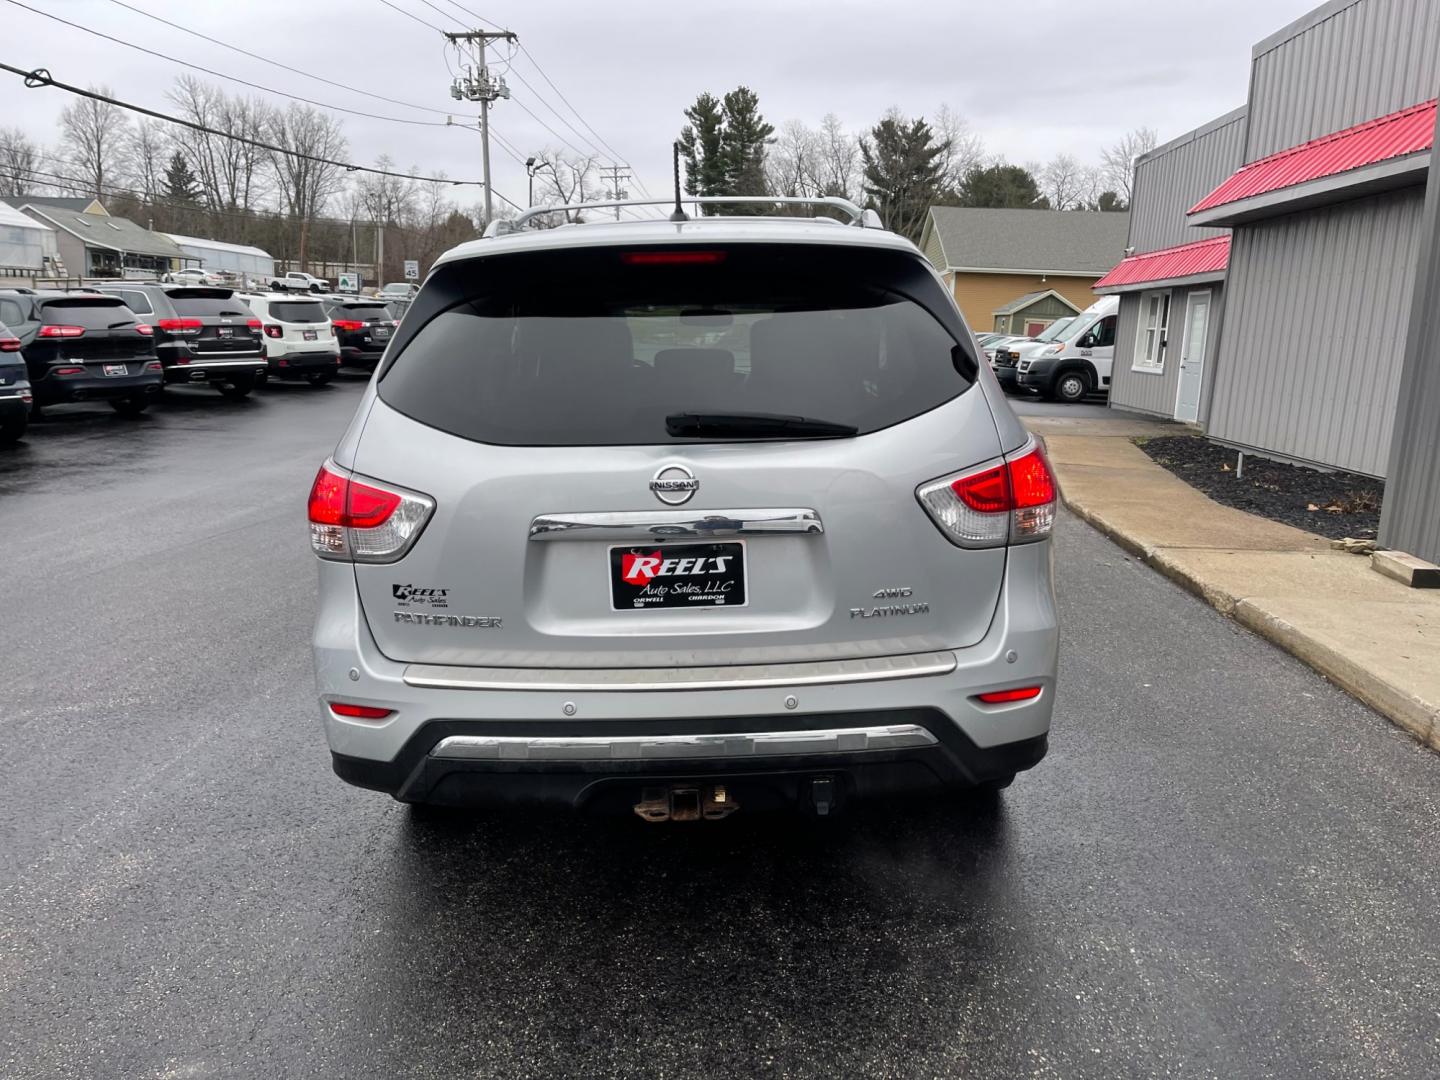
(61, 331)
(359, 712)
(354, 520)
(183, 327)
(1012, 502)
(67, 371)
(274, 331)
(347, 324)
(9, 344)
(154, 365)
(144, 329)
(254, 325)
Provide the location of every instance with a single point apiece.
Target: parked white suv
(1078, 361)
(684, 517)
(298, 339)
(295, 281)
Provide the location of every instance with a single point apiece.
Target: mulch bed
(1333, 504)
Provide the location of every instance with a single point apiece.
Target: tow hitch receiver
(686, 802)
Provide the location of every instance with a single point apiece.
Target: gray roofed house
(989, 257)
(93, 243)
(84, 204)
(1035, 309)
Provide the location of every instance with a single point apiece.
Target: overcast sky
(1032, 77)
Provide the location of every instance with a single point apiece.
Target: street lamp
(530, 172)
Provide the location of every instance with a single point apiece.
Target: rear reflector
(671, 258)
(354, 520)
(61, 331)
(1012, 502)
(359, 712)
(1002, 697)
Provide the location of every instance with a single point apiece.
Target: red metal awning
(1186, 260)
(1408, 131)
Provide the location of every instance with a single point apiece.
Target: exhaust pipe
(686, 802)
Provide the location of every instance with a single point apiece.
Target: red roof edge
(1409, 131)
(1210, 256)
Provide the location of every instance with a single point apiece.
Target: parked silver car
(684, 518)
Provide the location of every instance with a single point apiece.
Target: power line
(41, 77)
(276, 63)
(411, 15)
(220, 75)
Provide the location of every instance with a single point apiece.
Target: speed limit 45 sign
(412, 270)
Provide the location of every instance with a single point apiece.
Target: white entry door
(1192, 356)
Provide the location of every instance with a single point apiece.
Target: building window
(1150, 334)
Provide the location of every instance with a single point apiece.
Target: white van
(299, 341)
(1077, 363)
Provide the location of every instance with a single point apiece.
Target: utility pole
(476, 84)
(615, 191)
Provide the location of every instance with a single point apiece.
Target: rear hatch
(100, 332)
(365, 326)
(610, 440)
(302, 324)
(220, 325)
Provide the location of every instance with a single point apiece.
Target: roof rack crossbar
(865, 218)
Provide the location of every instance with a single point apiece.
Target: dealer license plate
(308, 335)
(116, 369)
(677, 576)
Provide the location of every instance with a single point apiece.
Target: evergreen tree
(1110, 201)
(1001, 186)
(181, 183)
(904, 166)
(723, 146)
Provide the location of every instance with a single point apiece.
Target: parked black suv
(362, 327)
(83, 346)
(202, 334)
(14, 388)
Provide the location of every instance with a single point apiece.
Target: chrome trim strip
(663, 524)
(737, 677)
(670, 747)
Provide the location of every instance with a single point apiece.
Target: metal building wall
(1174, 177)
(1345, 62)
(1144, 391)
(1314, 332)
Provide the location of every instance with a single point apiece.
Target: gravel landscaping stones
(1331, 504)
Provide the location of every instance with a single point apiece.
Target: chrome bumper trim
(672, 747)
(663, 524)
(738, 677)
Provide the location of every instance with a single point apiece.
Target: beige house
(994, 259)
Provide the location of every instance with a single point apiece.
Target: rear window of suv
(598, 346)
(91, 312)
(361, 311)
(297, 311)
(203, 306)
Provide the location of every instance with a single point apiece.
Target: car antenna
(677, 214)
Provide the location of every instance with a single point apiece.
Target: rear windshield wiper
(739, 425)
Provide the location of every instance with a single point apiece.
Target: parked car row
(122, 344)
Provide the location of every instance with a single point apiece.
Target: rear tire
(237, 387)
(13, 432)
(130, 406)
(1070, 387)
(320, 378)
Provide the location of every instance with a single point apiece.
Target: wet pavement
(1225, 867)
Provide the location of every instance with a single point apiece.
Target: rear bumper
(972, 741)
(12, 406)
(204, 370)
(930, 754)
(358, 357)
(296, 364)
(60, 390)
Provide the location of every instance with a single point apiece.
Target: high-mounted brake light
(353, 520)
(1012, 502)
(1004, 697)
(359, 712)
(671, 258)
(61, 331)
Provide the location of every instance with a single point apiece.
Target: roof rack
(867, 219)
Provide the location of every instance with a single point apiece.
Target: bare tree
(793, 164)
(562, 179)
(388, 200)
(964, 149)
(231, 172)
(20, 159)
(1062, 182)
(95, 138)
(839, 158)
(1119, 160)
(149, 153)
(305, 134)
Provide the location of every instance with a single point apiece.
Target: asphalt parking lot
(1225, 868)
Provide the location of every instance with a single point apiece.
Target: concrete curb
(1419, 718)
